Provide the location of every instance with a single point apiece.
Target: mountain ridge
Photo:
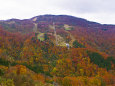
(48, 15)
(96, 35)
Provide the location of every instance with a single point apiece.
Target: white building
(67, 45)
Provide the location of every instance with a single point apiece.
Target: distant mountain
(93, 35)
(49, 19)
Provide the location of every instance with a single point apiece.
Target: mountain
(56, 50)
(93, 35)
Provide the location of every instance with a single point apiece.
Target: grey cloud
(86, 6)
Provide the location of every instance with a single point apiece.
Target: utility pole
(55, 33)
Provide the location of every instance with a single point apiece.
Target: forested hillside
(33, 52)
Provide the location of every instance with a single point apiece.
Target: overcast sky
(102, 11)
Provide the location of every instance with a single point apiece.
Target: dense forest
(33, 52)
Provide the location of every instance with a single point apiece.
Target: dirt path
(72, 38)
(35, 28)
(62, 42)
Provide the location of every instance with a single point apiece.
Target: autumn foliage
(27, 61)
